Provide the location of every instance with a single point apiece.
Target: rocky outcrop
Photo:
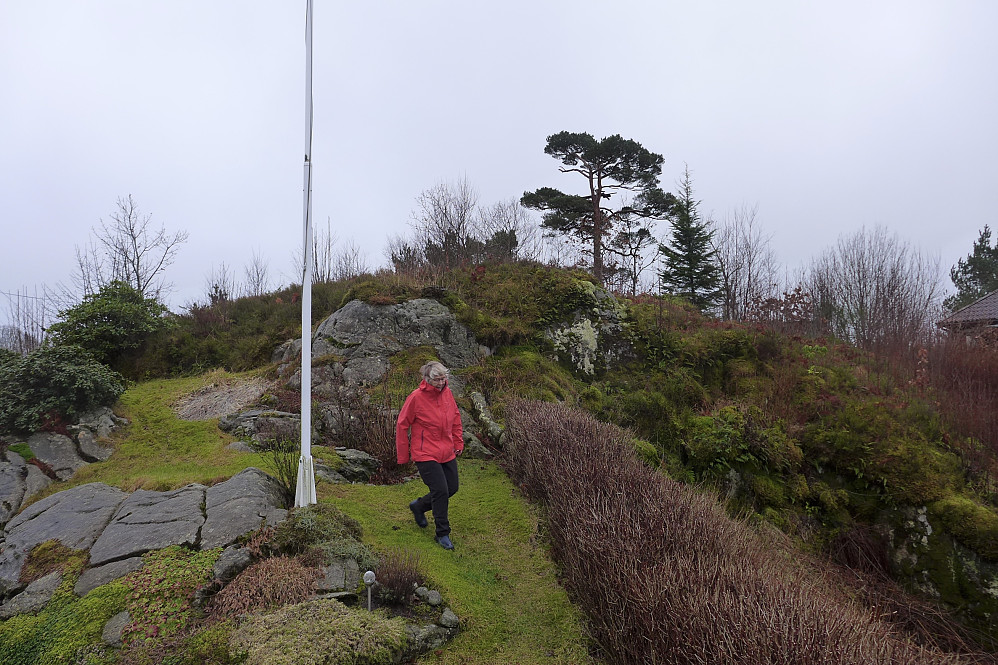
(363, 337)
(592, 335)
(151, 521)
(58, 451)
(117, 527)
(245, 502)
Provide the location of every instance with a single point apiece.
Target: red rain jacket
(436, 426)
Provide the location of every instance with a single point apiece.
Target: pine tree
(977, 275)
(689, 266)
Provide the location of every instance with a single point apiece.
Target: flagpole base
(305, 487)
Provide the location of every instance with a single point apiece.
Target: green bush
(110, 324)
(53, 384)
(311, 526)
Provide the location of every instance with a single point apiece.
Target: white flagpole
(305, 488)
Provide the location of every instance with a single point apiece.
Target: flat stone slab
(58, 451)
(90, 448)
(239, 505)
(151, 521)
(101, 575)
(75, 517)
(32, 599)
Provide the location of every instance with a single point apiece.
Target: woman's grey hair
(433, 370)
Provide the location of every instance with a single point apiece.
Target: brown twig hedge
(663, 575)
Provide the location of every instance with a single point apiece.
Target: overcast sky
(827, 116)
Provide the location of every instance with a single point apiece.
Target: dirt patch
(219, 399)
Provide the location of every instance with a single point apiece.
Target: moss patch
(320, 631)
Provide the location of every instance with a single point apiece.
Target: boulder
(75, 517)
(327, 473)
(58, 451)
(149, 521)
(448, 619)
(474, 449)
(33, 598)
(593, 336)
(90, 449)
(100, 422)
(358, 466)
(239, 505)
(114, 628)
(340, 575)
(101, 575)
(230, 563)
(240, 447)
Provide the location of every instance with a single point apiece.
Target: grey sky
(827, 116)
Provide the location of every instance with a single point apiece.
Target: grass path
(498, 579)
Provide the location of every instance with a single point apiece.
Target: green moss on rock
(975, 526)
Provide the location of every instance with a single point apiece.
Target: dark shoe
(420, 517)
(445, 542)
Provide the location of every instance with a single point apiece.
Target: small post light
(369, 582)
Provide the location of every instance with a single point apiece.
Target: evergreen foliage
(610, 166)
(52, 385)
(110, 324)
(690, 268)
(977, 275)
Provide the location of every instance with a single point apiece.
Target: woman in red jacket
(428, 432)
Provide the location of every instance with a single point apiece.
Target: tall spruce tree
(977, 275)
(610, 165)
(689, 265)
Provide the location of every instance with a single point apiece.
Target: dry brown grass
(663, 575)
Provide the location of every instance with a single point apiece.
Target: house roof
(980, 312)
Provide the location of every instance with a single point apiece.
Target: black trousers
(442, 481)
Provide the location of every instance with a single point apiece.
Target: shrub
(162, 591)
(110, 324)
(663, 574)
(53, 383)
(398, 574)
(320, 631)
(313, 525)
(270, 583)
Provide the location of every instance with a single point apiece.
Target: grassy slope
(498, 580)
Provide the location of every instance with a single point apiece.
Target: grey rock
(75, 517)
(426, 638)
(230, 563)
(114, 627)
(248, 422)
(593, 337)
(150, 521)
(33, 598)
(239, 505)
(333, 578)
(58, 451)
(13, 474)
(483, 415)
(286, 351)
(90, 449)
(35, 482)
(433, 598)
(474, 449)
(101, 575)
(240, 447)
(351, 574)
(357, 466)
(323, 472)
(365, 371)
(422, 592)
(100, 422)
(448, 619)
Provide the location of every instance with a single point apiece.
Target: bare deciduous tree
(509, 232)
(444, 223)
(631, 243)
(220, 284)
(127, 249)
(257, 275)
(749, 270)
(876, 290)
(349, 261)
(323, 255)
(26, 320)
